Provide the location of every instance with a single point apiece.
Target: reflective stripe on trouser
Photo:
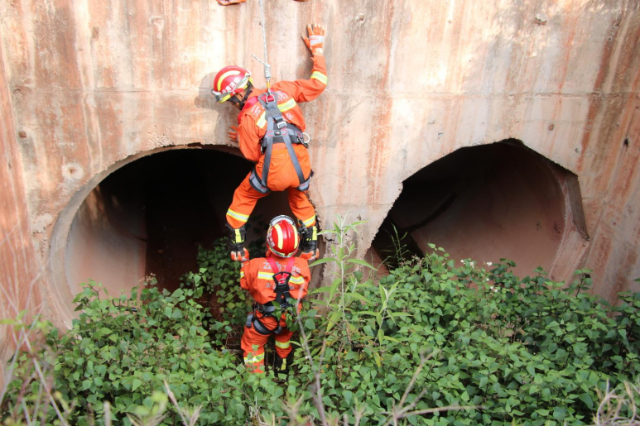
(254, 362)
(245, 199)
(283, 343)
(252, 345)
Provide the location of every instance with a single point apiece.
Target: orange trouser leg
(301, 207)
(283, 343)
(252, 344)
(244, 200)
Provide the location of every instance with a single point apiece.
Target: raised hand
(315, 41)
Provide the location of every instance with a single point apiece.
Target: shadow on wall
(205, 99)
(488, 202)
(150, 217)
(226, 114)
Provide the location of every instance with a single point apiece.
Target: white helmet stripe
(280, 236)
(225, 75)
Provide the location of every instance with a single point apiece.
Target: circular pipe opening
(151, 215)
(485, 203)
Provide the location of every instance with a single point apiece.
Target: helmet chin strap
(247, 94)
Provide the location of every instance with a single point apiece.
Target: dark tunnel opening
(488, 202)
(150, 217)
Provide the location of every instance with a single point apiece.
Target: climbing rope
(267, 67)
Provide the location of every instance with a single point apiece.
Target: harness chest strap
(277, 127)
(283, 297)
(281, 279)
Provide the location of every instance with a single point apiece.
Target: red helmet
(230, 81)
(282, 236)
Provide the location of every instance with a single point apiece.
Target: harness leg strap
(267, 154)
(294, 159)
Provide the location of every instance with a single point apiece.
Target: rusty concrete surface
(97, 85)
(106, 239)
(19, 265)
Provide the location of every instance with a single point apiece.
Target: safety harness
(278, 131)
(282, 300)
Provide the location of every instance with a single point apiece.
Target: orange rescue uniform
(252, 125)
(257, 277)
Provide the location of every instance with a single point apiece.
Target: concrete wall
(107, 242)
(19, 263)
(95, 85)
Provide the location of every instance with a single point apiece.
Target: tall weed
(435, 342)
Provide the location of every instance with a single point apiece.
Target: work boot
(281, 365)
(237, 239)
(309, 243)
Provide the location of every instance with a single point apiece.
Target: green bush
(123, 349)
(431, 335)
(218, 279)
(526, 351)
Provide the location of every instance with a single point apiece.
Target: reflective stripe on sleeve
(262, 121)
(287, 105)
(297, 280)
(283, 345)
(320, 77)
(241, 217)
(265, 275)
(309, 221)
(269, 276)
(241, 274)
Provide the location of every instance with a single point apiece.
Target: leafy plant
(343, 291)
(123, 349)
(399, 251)
(432, 343)
(218, 279)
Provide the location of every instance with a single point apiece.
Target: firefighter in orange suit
(270, 133)
(277, 283)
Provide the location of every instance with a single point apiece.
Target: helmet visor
(282, 217)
